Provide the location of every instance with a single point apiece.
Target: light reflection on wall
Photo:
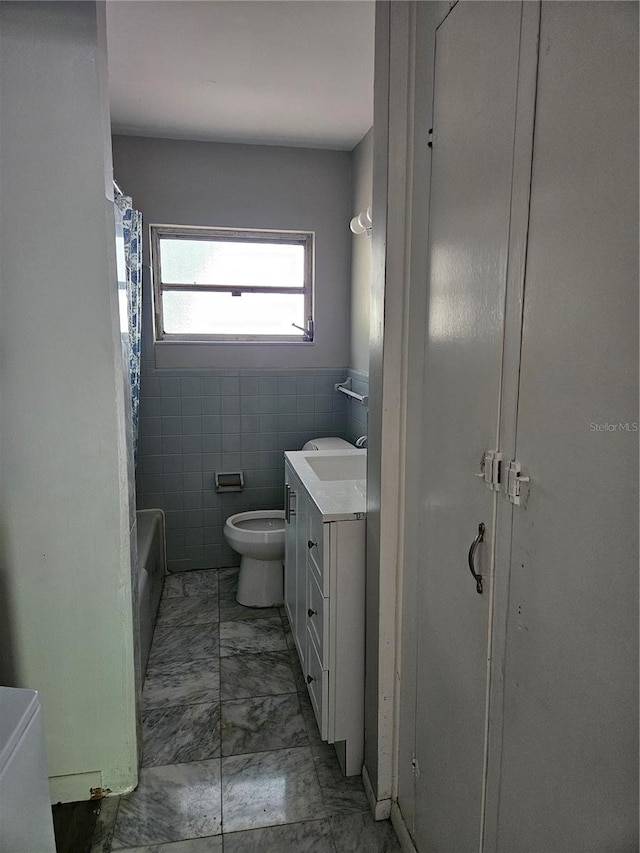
(458, 308)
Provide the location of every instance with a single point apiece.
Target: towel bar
(345, 388)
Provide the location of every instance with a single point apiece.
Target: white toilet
(259, 539)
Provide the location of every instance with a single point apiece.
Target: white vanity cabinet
(324, 600)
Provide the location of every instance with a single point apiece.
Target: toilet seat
(260, 521)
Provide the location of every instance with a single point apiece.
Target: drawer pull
(311, 544)
(311, 612)
(288, 494)
(310, 678)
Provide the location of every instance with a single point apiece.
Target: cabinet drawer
(317, 680)
(318, 618)
(318, 549)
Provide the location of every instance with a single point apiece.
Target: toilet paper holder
(229, 481)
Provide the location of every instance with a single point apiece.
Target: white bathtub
(152, 566)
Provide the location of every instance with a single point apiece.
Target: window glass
(230, 284)
(223, 314)
(232, 263)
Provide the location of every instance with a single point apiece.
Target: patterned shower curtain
(132, 227)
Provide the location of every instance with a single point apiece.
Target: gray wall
(229, 407)
(250, 186)
(64, 511)
(361, 198)
(357, 414)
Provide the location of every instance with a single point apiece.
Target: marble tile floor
(232, 757)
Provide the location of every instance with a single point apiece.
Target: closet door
(475, 101)
(570, 756)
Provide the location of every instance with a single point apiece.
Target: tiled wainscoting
(194, 423)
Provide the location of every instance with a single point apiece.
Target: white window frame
(186, 232)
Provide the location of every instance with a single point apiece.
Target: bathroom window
(222, 284)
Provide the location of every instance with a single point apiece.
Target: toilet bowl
(259, 539)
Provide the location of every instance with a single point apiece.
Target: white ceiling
(272, 72)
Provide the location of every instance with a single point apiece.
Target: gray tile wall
(194, 423)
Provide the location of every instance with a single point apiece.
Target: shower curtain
(132, 228)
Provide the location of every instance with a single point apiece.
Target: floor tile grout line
(248, 621)
(260, 696)
(182, 705)
(208, 657)
(263, 751)
(276, 825)
(257, 654)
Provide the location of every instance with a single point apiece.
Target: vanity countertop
(337, 500)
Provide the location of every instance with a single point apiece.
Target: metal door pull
(288, 512)
(472, 553)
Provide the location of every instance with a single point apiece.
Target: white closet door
(570, 752)
(476, 77)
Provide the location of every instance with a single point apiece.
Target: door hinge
(515, 483)
(491, 469)
(430, 138)
(414, 767)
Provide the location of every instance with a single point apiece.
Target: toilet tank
(328, 444)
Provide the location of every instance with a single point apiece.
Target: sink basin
(343, 467)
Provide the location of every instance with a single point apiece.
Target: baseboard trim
(406, 842)
(380, 809)
(73, 787)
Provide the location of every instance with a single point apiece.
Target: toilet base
(260, 583)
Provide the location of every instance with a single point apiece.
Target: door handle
(288, 512)
(287, 505)
(472, 554)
